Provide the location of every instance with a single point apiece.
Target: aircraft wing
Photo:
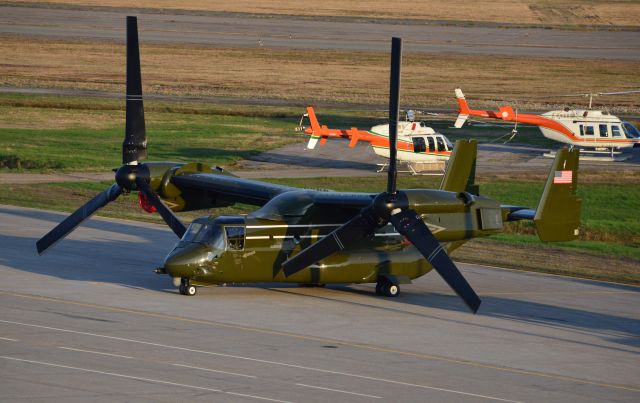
(231, 188)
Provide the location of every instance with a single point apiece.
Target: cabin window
(604, 132)
(615, 131)
(432, 144)
(235, 238)
(586, 130)
(441, 146)
(419, 145)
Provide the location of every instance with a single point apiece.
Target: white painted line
(137, 378)
(292, 226)
(95, 352)
(256, 397)
(7, 339)
(339, 391)
(325, 371)
(213, 370)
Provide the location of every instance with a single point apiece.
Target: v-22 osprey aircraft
(315, 237)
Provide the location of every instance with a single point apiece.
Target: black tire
(190, 290)
(391, 290)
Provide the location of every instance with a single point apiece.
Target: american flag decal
(563, 177)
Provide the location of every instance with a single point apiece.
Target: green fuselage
(249, 249)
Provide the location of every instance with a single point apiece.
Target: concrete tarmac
(90, 321)
(251, 30)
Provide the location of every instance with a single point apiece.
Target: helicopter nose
(183, 260)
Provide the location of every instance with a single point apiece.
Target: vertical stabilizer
(315, 128)
(557, 217)
(461, 168)
(463, 109)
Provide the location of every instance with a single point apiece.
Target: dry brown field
(310, 76)
(533, 12)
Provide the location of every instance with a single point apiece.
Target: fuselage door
(419, 146)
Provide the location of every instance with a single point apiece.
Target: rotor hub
(128, 175)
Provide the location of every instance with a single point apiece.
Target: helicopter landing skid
(595, 155)
(411, 169)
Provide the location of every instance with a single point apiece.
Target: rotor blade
(70, 223)
(394, 106)
(411, 226)
(341, 238)
(167, 215)
(134, 146)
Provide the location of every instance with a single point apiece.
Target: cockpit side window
(630, 130)
(192, 231)
(235, 238)
(441, 146)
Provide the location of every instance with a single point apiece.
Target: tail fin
(461, 168)
(463, 109)
(557, 217)
(315, 128)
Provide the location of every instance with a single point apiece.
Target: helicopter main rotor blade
(394, 108)
(416, 231)
(134, 147)
(167, 215)
(70, 223)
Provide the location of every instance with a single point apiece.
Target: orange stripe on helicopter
(507, 113)
(354, 135)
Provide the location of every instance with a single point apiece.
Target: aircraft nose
(183, 260)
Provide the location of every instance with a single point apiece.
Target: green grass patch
(172, 136)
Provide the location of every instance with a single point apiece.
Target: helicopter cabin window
(615, 131)
(432, 144)
(586, 130)
(235, 238)
(604, 130)
(441, 146)
(419, 145)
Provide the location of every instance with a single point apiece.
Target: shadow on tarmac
(130, 261)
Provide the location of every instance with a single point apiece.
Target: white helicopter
(417, 142)
(596, 130)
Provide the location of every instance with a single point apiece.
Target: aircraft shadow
(132, 251)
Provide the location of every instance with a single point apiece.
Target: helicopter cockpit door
(234, 239)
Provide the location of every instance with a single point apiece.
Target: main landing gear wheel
(387, 288)
(186, 288)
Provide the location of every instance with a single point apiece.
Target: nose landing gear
(387, 288)
(186, 288)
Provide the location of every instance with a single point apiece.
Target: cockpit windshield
(204, 233)
(631, 131)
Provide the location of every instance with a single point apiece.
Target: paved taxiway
(249, 30)
(90, 321)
